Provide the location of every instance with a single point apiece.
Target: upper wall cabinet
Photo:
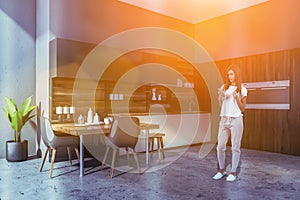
(127, 84)
(66, 56)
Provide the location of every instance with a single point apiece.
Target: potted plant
(17, 150)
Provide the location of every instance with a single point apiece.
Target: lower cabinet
(181, 129)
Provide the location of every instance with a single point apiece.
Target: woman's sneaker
(231, 177)
(219, 175)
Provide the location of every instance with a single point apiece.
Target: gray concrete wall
(17, 63)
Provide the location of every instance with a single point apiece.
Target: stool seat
(159, 141)
(156, 135)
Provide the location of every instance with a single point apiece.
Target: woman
(232, 99)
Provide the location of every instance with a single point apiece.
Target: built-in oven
(268, 95)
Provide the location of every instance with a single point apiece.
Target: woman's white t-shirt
(229, 106)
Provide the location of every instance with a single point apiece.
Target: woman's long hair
(237, 74)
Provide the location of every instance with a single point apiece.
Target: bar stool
(160, 143)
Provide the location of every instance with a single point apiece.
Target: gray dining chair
(53, 141)
(124, 133)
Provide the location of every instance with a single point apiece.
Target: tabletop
(93, 129)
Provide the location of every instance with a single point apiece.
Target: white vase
(96, 119)
(80, 119)
(90, 116)
(153, 96)
(159, 97)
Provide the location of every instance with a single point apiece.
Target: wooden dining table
(82, 130)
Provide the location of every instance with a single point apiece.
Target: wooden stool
(160, 143)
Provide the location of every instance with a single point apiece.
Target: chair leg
(158, 147)
(77, 154)
(113, 163)
(127, 155)
(69, 155)
(136, 161)
(151, 146)
(45, 155)
(162, 147)
(105, 157)
(52, 161)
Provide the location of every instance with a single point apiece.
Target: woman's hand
(235, 95)
(221, 94)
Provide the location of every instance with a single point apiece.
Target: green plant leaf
(27, 114)
(11, 107)
(25, 107)
(17, 121)
(6, 114)
(27, 118)
(18, 117)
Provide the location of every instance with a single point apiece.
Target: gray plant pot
(16, 151)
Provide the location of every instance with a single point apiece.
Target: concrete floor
(262, 175)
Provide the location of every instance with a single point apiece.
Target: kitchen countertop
(169, 113)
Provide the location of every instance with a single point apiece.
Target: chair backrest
(46, 130)
(125, 131)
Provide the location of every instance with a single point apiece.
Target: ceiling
(193, 11)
